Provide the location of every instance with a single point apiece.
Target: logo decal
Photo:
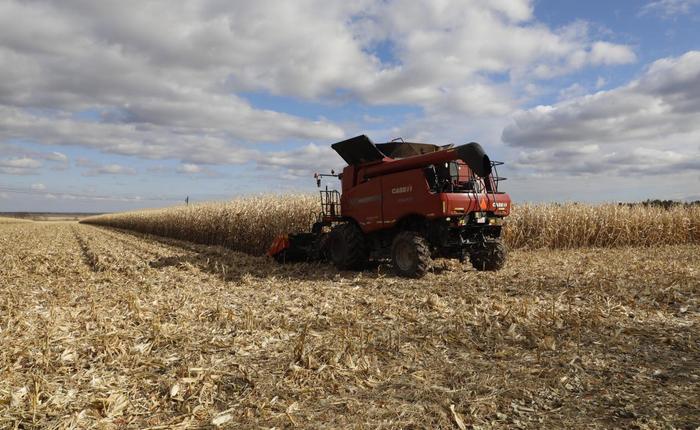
(401, 190)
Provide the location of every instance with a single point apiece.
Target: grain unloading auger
(408, 202)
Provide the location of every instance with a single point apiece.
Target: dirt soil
(108, 329)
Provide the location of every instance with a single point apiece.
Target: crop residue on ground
(106, 328)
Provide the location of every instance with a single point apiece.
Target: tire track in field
(143, 244)
(105, 254)
(226, 264)
(125, 253)
(38, 245)
(133, 245)
(152, 254)
(90, 258)
(173, 245)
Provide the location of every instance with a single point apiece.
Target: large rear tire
(410, 254)
(492, 256)
(347, 247)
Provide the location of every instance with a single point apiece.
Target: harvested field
(111, 329)
(9, 220)
(250, 224)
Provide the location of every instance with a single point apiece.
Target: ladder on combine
(330, 203)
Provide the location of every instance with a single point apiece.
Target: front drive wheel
(347, 248)
(410, 254)
(491, 256)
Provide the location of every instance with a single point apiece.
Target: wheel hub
(405, 256)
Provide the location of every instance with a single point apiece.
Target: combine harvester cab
(407, 202)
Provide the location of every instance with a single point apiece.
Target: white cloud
(110, 169)
(123, 139)
(649, 126)
(189, 169)
(668, 8)
(20, 163)
(447, 50)
(161, 77)
(57, 156)
(15, 151)
(167, 77)
(19, 166)
(609, 53)
(196, 170)
(302, 162)
(38, 187)
(169, 80)
(573, 90)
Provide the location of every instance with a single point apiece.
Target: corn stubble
(250, 224)
(104, 328)
(9, 220)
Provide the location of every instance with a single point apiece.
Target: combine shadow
(230, 265)
(232, 269)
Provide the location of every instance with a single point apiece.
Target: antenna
(318, 177)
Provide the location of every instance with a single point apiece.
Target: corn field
(246, 224)
(250, 224)
(574, 225)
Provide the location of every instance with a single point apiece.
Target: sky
(118, 105)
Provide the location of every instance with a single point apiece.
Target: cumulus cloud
(189, 169)
(168, 80)
(56, 160)
(647, 126)
(121, 138)
(195, 170)
(609, 53)
(38, 187)
(57, 156)
(110, 169)
(668, 8)
(446, 51)
(301, 162)
(19, 166)
(155, 82)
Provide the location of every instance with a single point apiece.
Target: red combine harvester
(408, 202)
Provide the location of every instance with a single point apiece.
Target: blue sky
(119, 105)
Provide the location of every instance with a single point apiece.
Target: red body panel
(382, 201)
(363, 203)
